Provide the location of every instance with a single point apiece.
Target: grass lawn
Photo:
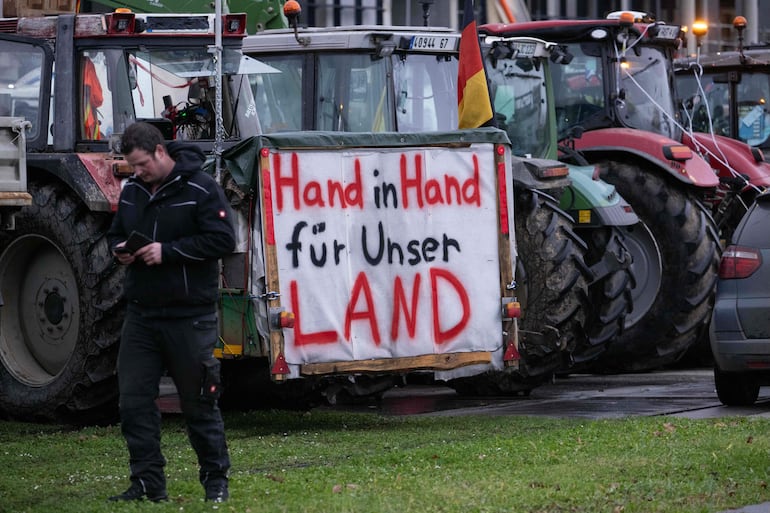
(328, 462)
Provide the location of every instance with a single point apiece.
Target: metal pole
(688, 17)
(426, 12)
(219, 123)
(552, 8)
(751, 7)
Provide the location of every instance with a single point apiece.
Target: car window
(753, 231)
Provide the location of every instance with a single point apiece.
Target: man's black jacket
(190, 216)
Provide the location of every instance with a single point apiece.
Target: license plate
(524, 49)
(667, 31)
(433, 43)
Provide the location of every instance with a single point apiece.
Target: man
(171, 289)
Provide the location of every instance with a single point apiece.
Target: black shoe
(136, 492)
(217, 492)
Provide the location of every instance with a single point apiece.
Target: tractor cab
(727, 93)
(620, 73)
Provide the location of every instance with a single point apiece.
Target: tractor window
(95, 97)
(164, 90)
(352, 93)
(123, 80)
(579, 89)
(278, 96)
(645, 99)
(175, 90)
(519, 96)
(753, 117)
(704, 114)
(424, 86)
(20, 72)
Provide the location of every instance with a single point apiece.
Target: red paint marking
(432, 191)
(400, 304)
(408, 183)
(361, 285)
(291, 181)
(443, 336)
(304, 339)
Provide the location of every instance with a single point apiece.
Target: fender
(737, 153)
(524, 172)
(650, 147)
(593, 202)
(88, 175)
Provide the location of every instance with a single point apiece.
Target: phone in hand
(136, 241)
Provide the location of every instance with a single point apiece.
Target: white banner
(388, 252)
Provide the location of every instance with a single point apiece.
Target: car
(740, 324)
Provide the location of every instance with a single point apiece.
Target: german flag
(473, 102)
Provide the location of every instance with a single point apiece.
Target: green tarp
(241, 160)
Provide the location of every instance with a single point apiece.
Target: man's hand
(150, 254)
(122, 254)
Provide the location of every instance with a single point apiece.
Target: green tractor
(522, 94)
(260, 14)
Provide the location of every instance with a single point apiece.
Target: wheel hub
(646, 269)
(41, 315)
(52, 310)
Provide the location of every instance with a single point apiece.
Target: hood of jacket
(188, 157)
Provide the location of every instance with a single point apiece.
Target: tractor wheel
(609, 295)
(646, 271)
(552, 288)
(671, 303)
(699, 354)
(61, 316)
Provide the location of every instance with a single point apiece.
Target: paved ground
(756, 508)
(684, 393)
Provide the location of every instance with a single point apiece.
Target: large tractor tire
(61, 316)
(672, 298)
(726, 216)
(609, 293)
(553, 291)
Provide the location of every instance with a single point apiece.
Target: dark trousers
(149, 345)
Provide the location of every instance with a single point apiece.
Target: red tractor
(61, 289)
(614, 103)
(723, 99)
